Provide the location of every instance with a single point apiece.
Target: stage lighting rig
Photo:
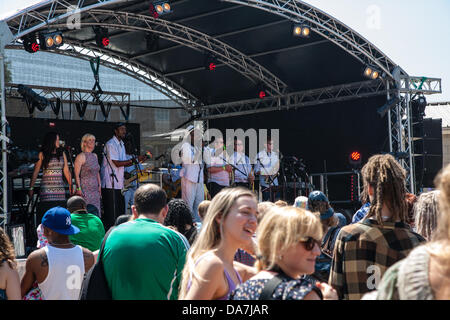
(51, 40)
(159, 8)
(210, 63)
(354, 158)
(101, 37)
(418, 109)
(371, 72)
(388, 105)
(30, 43)
(301, 30)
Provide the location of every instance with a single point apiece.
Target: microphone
(160, 156)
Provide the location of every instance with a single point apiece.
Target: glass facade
(54, 70)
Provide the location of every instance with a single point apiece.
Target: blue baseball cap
(317, 195)
(327, 214)
(58, 219)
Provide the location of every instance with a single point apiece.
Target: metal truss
(328, 27)
(296, 100)
(135, 70)
(191, 38)
(166, 29)
(399, 120)
(422, 85)
(46, 13)
(67, 95)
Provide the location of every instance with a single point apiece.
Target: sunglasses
(310, 243)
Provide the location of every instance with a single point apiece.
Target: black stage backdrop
(27, 135)
(323, 133)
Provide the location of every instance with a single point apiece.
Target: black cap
(119, 124)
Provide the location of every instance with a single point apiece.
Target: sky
(415, 34)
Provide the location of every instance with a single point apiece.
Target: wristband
(79, 189)
(31, 188)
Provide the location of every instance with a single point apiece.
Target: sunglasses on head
(309, 243)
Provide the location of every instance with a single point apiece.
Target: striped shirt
(364, 251)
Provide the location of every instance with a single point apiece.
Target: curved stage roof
(251, 41)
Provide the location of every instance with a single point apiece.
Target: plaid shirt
(362, 247)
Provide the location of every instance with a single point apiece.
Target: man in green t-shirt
(143, 260)
(91, 227)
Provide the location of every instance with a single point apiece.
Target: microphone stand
(271, 182)
(113, 177)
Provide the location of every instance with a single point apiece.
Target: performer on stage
(267, 164)
(112, 175)
(243, 176)
(87, 173)
(128, 194)
(218, 169)
(192, 171)
(54, 166)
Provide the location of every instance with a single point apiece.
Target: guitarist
(128, 195)
(112, 175)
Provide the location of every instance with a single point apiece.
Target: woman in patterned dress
(54, 166)
(288, 245)
(87, 172)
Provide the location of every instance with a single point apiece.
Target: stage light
(262, 94)
(371, 72)
(418, 109)
(159, 8)
(30, 43)
(387, 106)
(51, 40)
(101, 37)
(261, 89)
(301, 30)
(210, 63)
(167, 7)
(354, 158)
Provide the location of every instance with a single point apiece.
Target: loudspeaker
(427, 136)
(426, 169)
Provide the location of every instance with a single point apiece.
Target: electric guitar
(172, 189)
(139, 175)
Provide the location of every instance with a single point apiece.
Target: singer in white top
(267, 164)
(192, 191)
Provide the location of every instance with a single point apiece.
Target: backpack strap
(270, 287)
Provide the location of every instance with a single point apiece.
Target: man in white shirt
(192, 172)
(243, 176)
(112, 175)
(267, 164)
(218, 169)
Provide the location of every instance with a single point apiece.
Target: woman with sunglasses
(288, 241)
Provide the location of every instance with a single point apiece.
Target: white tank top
(65, 273)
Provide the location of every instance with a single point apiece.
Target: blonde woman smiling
(287, 246)
(87, 172)
(210, 272)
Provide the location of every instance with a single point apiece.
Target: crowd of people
(232, 247)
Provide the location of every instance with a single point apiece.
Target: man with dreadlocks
(365, 250)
